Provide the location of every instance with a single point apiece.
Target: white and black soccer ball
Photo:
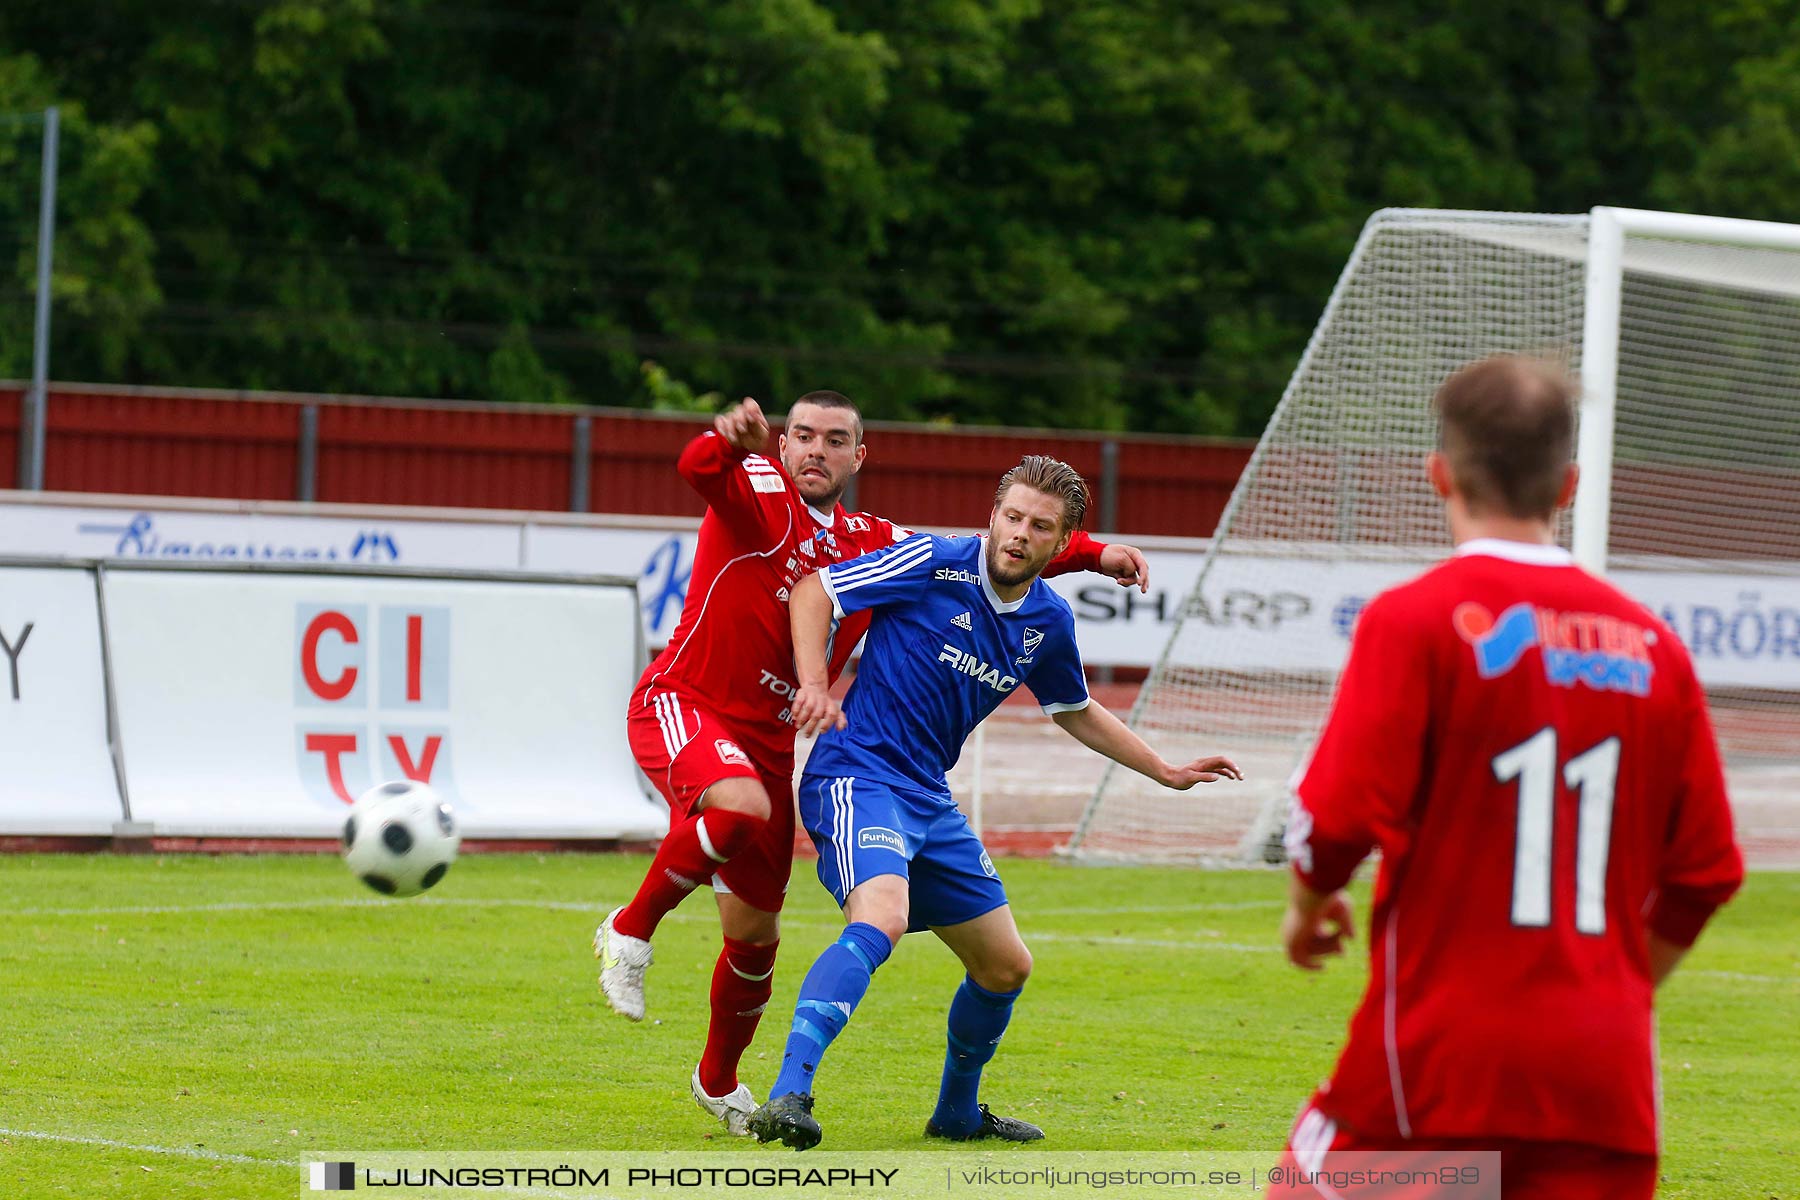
(400, 837)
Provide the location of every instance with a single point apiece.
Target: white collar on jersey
(827, 519)
(987, 588)
(1534, 554)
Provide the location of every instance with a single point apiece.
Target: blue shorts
(863, 828)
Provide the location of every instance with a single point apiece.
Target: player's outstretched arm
(1126, 566)
(744, 427)
(1097, 729)
(748, 494)
(1123, 564)
(809, 611)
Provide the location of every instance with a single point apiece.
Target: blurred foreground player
(959, 624)
(1530, 751)
(709, 720)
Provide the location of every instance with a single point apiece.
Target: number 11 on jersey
(1592, 774)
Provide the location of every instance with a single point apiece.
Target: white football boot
(623, 961)
(734, 1110)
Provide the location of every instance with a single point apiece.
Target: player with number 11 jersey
(1530, 751)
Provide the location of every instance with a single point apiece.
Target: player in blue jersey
(958, 624)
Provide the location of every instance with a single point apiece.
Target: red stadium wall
(11, 399)
(355, 450)
(468, 458)
(631, 463)
(171, 446)
(375, 451)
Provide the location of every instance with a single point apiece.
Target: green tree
(1125, 214)
(103, 283)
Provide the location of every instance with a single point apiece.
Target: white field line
(562, 906)
(554, 905)
(205, 1155)
(177, 1151)
(1088, 939)
(153, 910)
(1740, 977)
(569, 906)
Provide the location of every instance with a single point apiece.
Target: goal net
(1699, 517)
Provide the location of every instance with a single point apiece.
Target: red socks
(743, 979)
(686, 859)
(741, 985)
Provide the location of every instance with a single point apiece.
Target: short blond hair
(1508, 431)
(1052, 477)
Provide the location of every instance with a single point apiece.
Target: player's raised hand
(1127, 565)
(744, 426)
(1310, 933)
(1201, 770)
(815, 710)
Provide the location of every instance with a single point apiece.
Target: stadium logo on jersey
(961, 621)
(1032, 638)
(729, 753)
(877, 838)
(968, 664)
(1601, 652)
(956, 575)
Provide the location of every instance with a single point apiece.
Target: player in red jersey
(709, 720)
(1530, 751)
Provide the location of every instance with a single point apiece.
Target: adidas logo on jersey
(968, 664)
(961, 621)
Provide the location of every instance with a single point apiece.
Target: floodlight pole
(31, 440)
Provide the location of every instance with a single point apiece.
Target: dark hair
(826, 398)
(1053, 478)
(1508, 431)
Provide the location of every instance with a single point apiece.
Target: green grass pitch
(193, 1026)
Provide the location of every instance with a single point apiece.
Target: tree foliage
(1114, 215)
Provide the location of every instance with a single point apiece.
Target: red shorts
(685, 749)
(1528, 1170)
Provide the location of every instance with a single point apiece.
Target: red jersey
(1530, 751)
(733, 648)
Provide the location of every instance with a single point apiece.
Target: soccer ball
(400, 837)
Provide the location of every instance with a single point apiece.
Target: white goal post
(1686, 334)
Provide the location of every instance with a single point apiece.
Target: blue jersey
(943, 651)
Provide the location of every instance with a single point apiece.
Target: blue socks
(828, 996)
(978, 1018)
(835, 985)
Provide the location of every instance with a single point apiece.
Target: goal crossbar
(1685, 331)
